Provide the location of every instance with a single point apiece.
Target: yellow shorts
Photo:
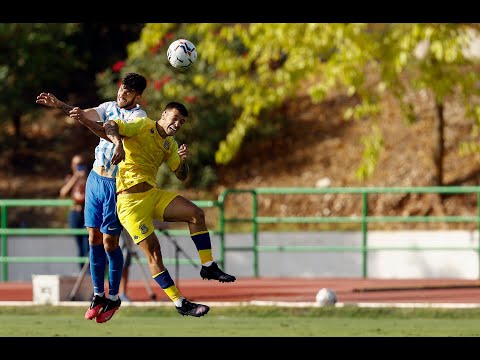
(136, 211)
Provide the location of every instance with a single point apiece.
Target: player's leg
(126, 244)
(136, 214)
(180, 209)
(98, 262)
(111, 229)
(97, 256)
(124, 282)
(151, 248)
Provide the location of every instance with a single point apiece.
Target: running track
(348, 290)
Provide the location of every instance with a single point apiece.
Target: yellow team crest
(143, 229)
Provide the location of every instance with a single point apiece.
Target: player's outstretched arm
(90, 119)
(50, 100)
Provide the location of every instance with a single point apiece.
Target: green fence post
(478, 230)
(255, 234)
(3, 225)
(221, 227)
(364, 233)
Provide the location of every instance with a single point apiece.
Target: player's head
(131, 90)
(173, 118)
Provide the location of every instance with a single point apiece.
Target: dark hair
(135, 82)
(180, 107)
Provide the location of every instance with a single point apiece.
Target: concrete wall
(434, 263)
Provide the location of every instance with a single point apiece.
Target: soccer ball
(182, 54)
(326, 297)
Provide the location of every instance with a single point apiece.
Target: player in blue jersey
(101, 218)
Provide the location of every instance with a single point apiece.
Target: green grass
(242, 321)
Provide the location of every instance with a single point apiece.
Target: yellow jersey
(145, 151)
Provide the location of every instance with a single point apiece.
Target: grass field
(242, 321)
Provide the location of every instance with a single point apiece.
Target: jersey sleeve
(131, 128)
(102, 111)
(136, 114)
(139, 113)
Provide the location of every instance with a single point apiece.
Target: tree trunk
(439, 149)
(17, 126)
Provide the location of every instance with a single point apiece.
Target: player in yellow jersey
(141, 146)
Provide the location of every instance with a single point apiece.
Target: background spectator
(74, 187)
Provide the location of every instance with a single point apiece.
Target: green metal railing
(363, 219)
(5, 231)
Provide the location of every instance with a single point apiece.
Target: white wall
(453, 263)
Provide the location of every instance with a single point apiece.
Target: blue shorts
(101, 203)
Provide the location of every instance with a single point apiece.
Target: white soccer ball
(326, 297)
(182, 54)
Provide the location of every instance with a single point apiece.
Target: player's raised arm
(111, 129)
(50, 100)
(87, 118)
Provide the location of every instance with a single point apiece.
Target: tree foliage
(246, 71)
(33, 57)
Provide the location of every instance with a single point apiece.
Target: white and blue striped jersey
(111, 111)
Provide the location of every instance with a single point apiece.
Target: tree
(435, 59)
(245, 72)
(33, 57)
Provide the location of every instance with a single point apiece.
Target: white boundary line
(260, 303)
(420, 305)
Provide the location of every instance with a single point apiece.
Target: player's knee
(110, 242)
(95, 237)
(198, 215)
(95, 241)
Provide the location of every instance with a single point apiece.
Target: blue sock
(98, 261)
(115, 268)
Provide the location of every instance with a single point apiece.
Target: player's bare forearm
(65, 108)
(100, 131)
(111, 130)
(93, 126)
(182, 171)
(89, 119)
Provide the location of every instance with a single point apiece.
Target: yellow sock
(204, 245)
(168, 285)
